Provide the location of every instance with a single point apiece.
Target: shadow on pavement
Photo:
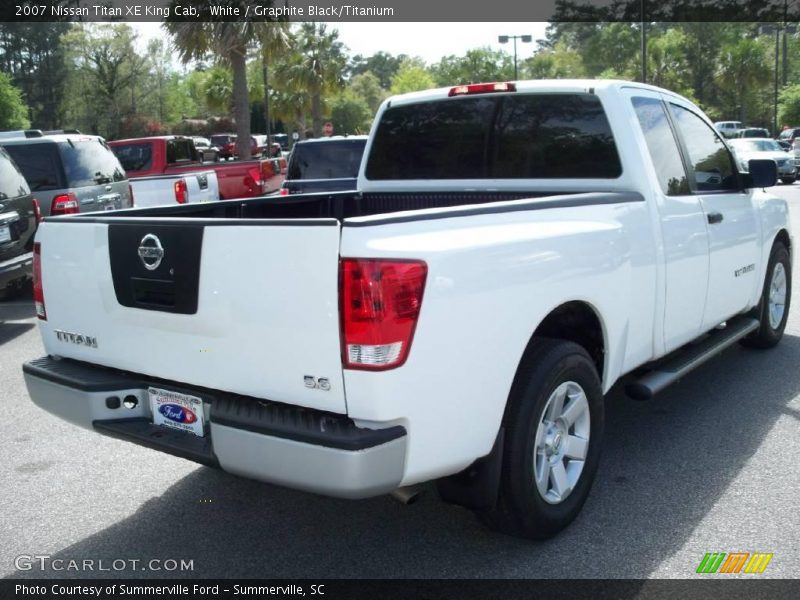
(20, 308)
(9, 331)
(665, 464)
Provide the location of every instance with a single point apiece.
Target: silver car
(746, 149)
(69, 173)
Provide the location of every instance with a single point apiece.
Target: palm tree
(289, 101)
(743, 70)
(320, 68)
(274, 41)
(228, 42)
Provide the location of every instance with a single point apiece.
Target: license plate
(175, 410)
(5, 233)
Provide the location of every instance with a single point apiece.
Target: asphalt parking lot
(711, 465)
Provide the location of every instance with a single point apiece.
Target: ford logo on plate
(177, 413)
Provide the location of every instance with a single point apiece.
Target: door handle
(714, 218)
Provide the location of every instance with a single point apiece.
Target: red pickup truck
(173, 155)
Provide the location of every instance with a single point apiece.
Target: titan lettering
(76, 338)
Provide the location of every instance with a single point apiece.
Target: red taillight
(181, 191)
(267, 173)
(481, 88)
(38, 291)
(65, 204)
(284, 192)
(380, 303)
(130, 195)
(37, 211)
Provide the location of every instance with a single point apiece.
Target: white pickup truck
(185, 188)
(513, 250)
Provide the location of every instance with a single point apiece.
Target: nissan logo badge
(151, 252)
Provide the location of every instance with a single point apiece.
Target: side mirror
(763, 174)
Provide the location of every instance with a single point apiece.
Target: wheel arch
(783, 237)
(575, 321)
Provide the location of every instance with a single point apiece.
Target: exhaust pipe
(407, 495)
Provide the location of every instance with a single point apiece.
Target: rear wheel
(554, 427)
(788, 180)
(773, 309)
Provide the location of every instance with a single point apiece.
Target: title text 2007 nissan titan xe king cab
(513, 249)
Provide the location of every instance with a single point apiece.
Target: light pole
(526, 39)
(643, 42)
(778, 28)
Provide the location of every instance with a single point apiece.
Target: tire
(771, 318)
(788, 180)
(524, 507)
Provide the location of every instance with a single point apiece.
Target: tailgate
(246, 306)
(203, 186)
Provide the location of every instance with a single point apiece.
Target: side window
(12, 184)
(711, 162)
(662, 146)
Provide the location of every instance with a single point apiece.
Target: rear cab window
(507, 136)
(134, 157)
(180, 151)
(326, 160)
(89, 162)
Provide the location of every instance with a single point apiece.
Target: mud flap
(476, 486)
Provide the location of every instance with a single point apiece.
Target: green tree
(667, 63)
(289, 100)
(321, 67)
(743, 71)
(13, 110)
(228, 42)
(367, 86)
(274, 43)
(103, 63)
(412, 76)
(31, 53)
(218, 89)
(557, 62)
(477, 65)
(615, 46)
(350, 114)
(382, 64)
(158, 59)
(195, 84)
(789, 106)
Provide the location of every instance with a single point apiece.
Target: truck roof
(51, 138)
(333, 138)
(151, 137)
(537, 85)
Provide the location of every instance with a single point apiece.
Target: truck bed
(349, 205)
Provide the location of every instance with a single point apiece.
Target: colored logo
(177, 413)
(735, 562)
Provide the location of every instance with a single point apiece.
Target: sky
(429, 41)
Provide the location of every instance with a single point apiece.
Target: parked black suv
(69, 173)
(327, 164)
(18, 218)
